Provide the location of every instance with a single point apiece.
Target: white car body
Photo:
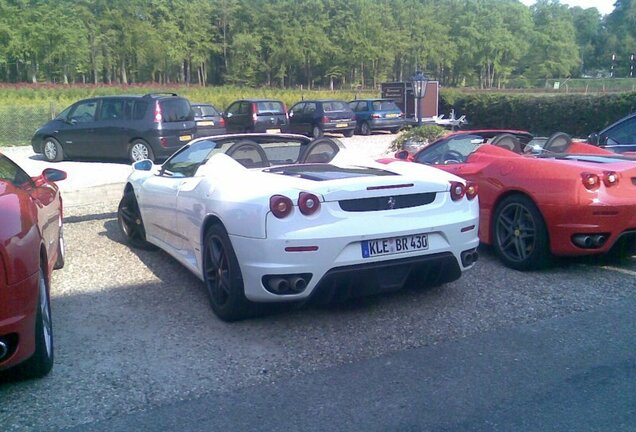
(327, 244)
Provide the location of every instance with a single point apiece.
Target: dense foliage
(326, 43)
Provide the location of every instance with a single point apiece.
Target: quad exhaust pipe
(286, 284)
(589, 241)
(469, 257)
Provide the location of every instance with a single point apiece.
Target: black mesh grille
(390, 202)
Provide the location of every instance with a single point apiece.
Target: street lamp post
(419, 82)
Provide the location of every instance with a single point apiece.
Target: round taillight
(280, 205)
(590, 181)
(610, 178)
(308, 203)
(471, 190)
(457, 190)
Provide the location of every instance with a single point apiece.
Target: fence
(19, 123)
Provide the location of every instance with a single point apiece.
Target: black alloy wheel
(520, 236)
(222, 276)
(130, 222)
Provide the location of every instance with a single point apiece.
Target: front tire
(222, 276)
(52, 150)
(140, 150)
(520, 237)
(41, 362)
(130, 222)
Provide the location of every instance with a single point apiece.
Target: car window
(244, 108)
(335, 106)
(623, 133)
(310, 107)
(186, 162)
(112, 109)
(84, 112)
(384, 105)
(456, 149)
(283, 152)
(175, 110)
(270, 107)
(355, 106)
(11, 172)
(205, 111)
(139, 110)
(64, 114)
(233, 109)
(298, 108)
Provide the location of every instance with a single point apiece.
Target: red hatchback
(31, 246)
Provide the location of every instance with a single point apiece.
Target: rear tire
(365, 128)
(348, 133)
(52, 150)
(316, 131)
(520, 237)
(222, 277)
(41, 362)
(140, 150)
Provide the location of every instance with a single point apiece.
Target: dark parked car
(377, 114)
(256, 115)
(133, 127)
(315, 117)
(209, 120)
(619, 137)
(31, 246)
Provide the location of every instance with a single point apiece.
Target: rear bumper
(615, 220)
(386, 123)
(17, 320)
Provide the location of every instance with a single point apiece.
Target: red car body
(31, 246)
(535, 202)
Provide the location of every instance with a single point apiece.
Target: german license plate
(341, 125)
(185, 137)
(205, 123)
(391, 115)
(394, 245)
(273, 131)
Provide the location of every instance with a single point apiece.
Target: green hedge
(577, 115)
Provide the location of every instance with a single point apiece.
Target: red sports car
(31, 246)
(541, 197)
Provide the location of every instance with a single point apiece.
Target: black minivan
(152, 127)
(256, 115)
(315, 117)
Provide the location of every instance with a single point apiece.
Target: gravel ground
(134, 330)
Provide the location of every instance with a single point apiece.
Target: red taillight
(280, 205)
(324, 119)
(158, 116)
(308, 203)
(457, 190)
(375, 116)
(222, 122)
(610, 178)
(471, 190)
(590, 181)
(254, 112)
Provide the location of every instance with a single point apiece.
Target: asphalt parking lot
(133, 329)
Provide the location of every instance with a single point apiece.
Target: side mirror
(143, 165)
(53, 175)
(228, 115)
(291, 114)
(402, 154)
(593, 138)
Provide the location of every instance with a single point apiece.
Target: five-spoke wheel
(520, 235)
(130, 222)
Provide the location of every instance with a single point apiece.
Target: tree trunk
(124, 76)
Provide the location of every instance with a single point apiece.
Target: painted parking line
(620, 270)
